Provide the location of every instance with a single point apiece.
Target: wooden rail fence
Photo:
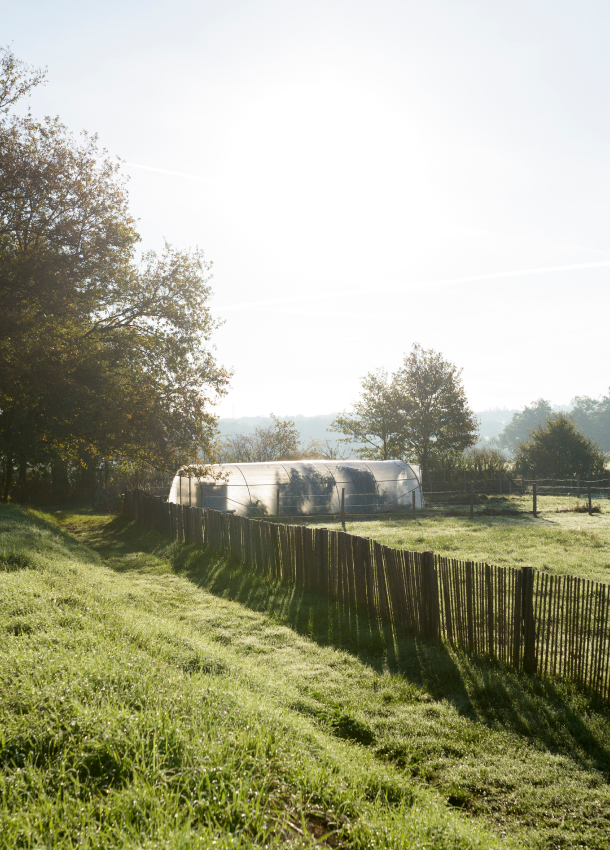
(556, 626)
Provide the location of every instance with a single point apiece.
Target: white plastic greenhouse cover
(305, 487)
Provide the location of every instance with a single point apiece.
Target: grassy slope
(158, 694)
(563, 543)
(128, 720)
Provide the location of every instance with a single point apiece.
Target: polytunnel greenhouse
(302, 487)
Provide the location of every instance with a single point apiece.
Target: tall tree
(436, 418)
(375, 419)
(558, 448)
(100, 355)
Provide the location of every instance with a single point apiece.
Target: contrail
(166, 171)
(341, 293)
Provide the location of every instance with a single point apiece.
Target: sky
(364, 176)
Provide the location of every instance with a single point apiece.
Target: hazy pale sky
(364, 175)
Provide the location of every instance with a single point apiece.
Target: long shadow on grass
(552, 715)
(481, 690)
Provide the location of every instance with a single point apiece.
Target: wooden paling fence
(556, 626)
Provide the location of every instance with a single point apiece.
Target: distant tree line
(420, 414)
(279, 441)
(540, 441)
(591, 416)
(105, 366)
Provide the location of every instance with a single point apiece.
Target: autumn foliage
(104, 354)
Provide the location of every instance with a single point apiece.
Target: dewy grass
(518, 753)
(128, 718)
(154, 695)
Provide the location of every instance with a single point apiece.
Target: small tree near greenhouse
(375, 419)
(279, 441)
(558, 449)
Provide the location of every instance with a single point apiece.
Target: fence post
(490, 611)
(535, 499)
(589, 497)
(517, 610)
(277, 504)
(470, 606)
(343, 507)
(431, 597)
(472, 501)
(366, 566)
(529, 626)
(413, 502)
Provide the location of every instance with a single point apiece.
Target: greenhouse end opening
(302, 488)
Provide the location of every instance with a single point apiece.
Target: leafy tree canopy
(102, 355)
(375, 419)
(438, 422)
(279, 441)
(420, 413)
(558, 449)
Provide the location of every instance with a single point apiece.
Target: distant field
(558, 540)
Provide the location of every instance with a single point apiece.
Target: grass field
(152, 695)
(558, 540)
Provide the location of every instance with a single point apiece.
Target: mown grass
(138, 709)
(414, 737)
(562, 542)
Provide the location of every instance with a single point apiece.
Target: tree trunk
(424, 466)
(90, 476)
(60, 485)
(8, 476)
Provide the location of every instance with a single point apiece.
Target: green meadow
(559, 540)
(153, 695)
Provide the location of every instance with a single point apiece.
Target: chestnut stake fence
(555, 626)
